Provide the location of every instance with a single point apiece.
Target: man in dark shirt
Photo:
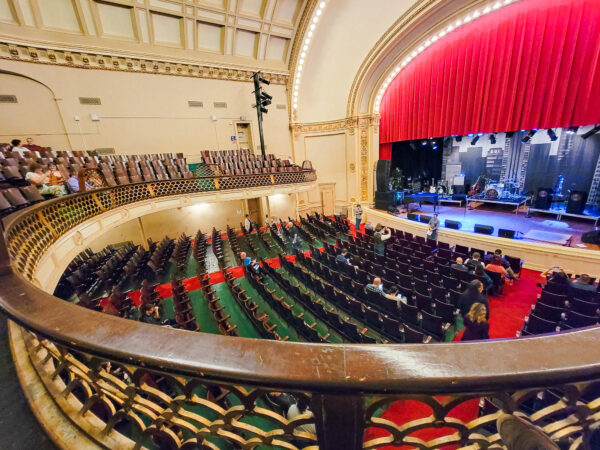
(459, 265)
(474, 261)
(472, 294)
(343, 257)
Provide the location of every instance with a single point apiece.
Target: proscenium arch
(397, 42)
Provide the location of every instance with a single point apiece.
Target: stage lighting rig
(552, 134)
(527, 138)
(592, 132)
(572, 130)
(262, 101)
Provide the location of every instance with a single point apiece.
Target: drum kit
(505, 189)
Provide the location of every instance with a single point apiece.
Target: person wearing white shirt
(248, 224)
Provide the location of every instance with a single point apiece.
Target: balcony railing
(178, 389)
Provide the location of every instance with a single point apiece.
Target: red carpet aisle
(506, 318)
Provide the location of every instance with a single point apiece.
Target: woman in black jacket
(476, 324)
(472, 294)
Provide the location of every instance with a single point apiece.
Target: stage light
(424, 143)
(552, 134)
(435, 147)
(471, 134)
(510, 134)
(493, 139)
(479, 134)
(526, 139)
(474, 141)
(592, 132)
(572, 130)
(458, 138)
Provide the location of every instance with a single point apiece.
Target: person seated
(56, 178)
(496, 266)
(557, 275)
(36, 176)
(459, 265)
(249, 262)
(476, 324)
(505, 263)
(474, 261)
(472, 294)
(433, 256)
(376, 286)
(298, 409)
(150, 314)
(583, 283)
(480, 272)
(281, 400)
(16, 146)
(31, 146)
(393, 294)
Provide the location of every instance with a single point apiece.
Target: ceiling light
(312, 27)
(319, 12)
(310, 33)
(322, 5)
(315, 19)
(487, 10)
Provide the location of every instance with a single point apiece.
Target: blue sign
(233, 138)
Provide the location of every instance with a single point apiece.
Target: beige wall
(140, 113)
(282, 206)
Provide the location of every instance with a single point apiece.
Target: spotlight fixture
(552, 134)
(435, 147)
(592, 132)
(572, 130)
(479, 134)
(471, 134)
(424, 143)
(493, 139)
(527, 138)
(458, 138)
(474, 141)
(510, 134)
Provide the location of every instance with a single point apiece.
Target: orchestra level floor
(500, 216)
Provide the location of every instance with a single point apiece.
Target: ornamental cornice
(106, 61)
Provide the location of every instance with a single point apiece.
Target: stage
(489, 214)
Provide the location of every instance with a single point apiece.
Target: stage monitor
(544, 198)
(591, 237)
(454, 224)
(483, 229)
(414, 217)
(424, 219)
(508, 234)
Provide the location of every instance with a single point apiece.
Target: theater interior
(300, 224)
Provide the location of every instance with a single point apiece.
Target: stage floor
(505, 217)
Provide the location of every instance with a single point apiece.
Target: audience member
(480, 272)
(343, 257)
(472, 294)
(18, 147)
(376, 286)
(474, 261)
(583, 283)
(496, 266)
(282, 400)
(56, 178)
(36, 177)
(358, 212)
(31, 146)
(556, 275)
(393, 294)
(295, 234)
(369, 226)
(248, 224)
(476, 324)
(298, 409)
(249, 262)
(381, 235)
(505, 263)
(150, 314)
(433, 226)
(458, 265)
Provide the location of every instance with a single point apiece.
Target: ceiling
(239, 33)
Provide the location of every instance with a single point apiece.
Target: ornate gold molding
(349, 123)
(104, 61)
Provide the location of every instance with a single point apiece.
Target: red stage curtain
(385, 151)
(533, 64)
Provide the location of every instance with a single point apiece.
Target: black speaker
(383, 175)
(424, 219)
(414, 217)
(508, 234)
(544, 198)
(461, 197)
(576, 202)
(458, 188)
(483, 229)
(591, 237)
(455, 225)
(385, 200)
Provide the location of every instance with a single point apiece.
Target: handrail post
(339, 420)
